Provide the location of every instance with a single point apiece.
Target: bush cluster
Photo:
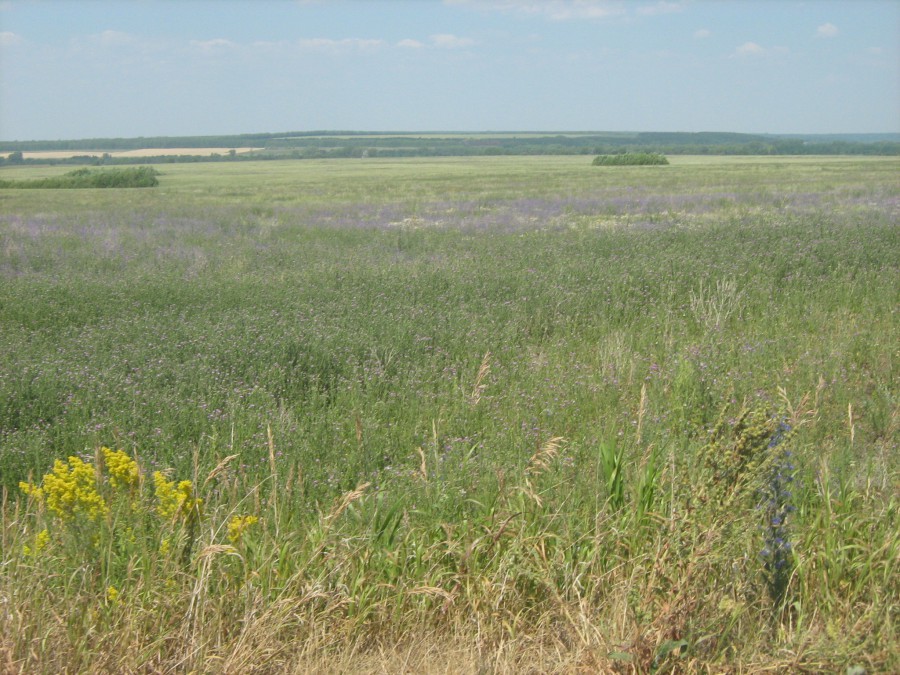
(131, 177)
(631, 159)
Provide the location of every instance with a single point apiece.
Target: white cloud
(447, 41)
(558, 10)
(268, 45)
(101, 44)
(750, 49)
(8, 39)
(345, 43)
(358, 43)
(827, 30)
(439, 41)
(114, 38)
(585, 9)
(212, 45)
(661, 7)
(702, 33)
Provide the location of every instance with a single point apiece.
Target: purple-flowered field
(527, 409)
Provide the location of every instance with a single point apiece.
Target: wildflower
(777, 506)
(165, 546)
(238, 525)
(41, 540)
(71, 488)
(172, 499)
(112, 595)
(31, 490)
(123, 470)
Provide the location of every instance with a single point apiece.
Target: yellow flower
(174, 499)
(112, 595)
(186, 497)
(123, 470)
(167, 503)
(238, 525)
(71, 488)
(164, 546)
(41, 540)
(31, 490)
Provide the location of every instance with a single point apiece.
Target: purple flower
(776, 499)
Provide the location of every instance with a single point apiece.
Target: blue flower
(776, 501)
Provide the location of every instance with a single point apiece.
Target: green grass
(537, 371)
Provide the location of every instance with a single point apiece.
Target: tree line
(320, 145)
(133, 177)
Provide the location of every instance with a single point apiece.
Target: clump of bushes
(130, 177)
(631, 159)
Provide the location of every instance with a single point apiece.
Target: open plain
(453, 415)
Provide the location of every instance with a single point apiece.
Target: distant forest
(326, 144)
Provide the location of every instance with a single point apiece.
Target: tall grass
(516, 412)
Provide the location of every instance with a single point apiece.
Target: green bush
(132, 177)
(631, 159)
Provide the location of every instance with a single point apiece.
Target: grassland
(489, 415)
(137, 154)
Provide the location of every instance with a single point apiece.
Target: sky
(113, 68)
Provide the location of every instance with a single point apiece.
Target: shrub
(131, 177)
(631, 159)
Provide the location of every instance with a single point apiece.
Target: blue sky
(75, 69)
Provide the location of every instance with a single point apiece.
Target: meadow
(516, 414)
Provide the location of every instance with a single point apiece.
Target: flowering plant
(777, 506)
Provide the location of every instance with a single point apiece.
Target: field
(143, 152)
(453, 415)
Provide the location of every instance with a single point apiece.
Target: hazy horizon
(87, 69)
(362, 133)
